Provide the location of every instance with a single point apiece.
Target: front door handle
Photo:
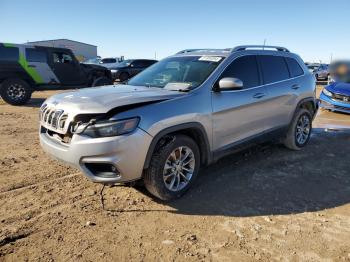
(259, 95)
(296, 86)
(31, 65)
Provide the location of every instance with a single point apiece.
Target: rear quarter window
(9, 53)
(274, 68)
(34, 55)
(294, 67)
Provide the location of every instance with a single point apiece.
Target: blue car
(336, 97)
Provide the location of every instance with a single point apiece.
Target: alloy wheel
(179, 168)
(303, 129)
(16, 91)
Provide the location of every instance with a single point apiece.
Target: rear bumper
(126, 153)
(328, 103)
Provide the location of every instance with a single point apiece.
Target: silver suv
(185, 111)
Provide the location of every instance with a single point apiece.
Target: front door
(66, 68)
(239, 115)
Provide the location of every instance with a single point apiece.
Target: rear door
(239, 115)
(37, 61)
(66, 68)
(282, 89)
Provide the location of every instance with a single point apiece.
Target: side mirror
(230, 83)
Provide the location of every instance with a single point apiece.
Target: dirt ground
(267, 203)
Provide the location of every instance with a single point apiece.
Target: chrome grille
(53, 119)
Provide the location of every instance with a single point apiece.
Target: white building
(81, 50)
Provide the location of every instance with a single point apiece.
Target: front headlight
(112, 128)
(327, 93)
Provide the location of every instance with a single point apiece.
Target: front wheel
(15, 91)
(299, 131)
(173, 168)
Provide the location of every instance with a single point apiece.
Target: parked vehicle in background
(185, 111)
(111, 62)
(94, 61)
(312, 67)
(336, 96)
(322, 72)
(129, 68)
(26, 68)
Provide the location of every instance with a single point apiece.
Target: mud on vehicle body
(26, 68)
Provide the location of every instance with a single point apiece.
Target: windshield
(125, 63)
(187, 70)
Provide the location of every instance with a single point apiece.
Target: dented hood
(103, 99)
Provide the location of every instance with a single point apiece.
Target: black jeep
(26, 68)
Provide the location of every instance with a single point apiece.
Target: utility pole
(264, 44)
(155, 55)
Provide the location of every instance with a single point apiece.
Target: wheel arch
(309, 104)
(194, 130)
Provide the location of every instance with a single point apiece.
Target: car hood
(103, 99)
(339, 88)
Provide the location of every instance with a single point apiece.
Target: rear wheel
(173, 168)
(102, 81)
(15, 91)
(299, 130)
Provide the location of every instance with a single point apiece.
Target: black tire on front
(15, 91)
(153, 176)
(291, 140)
(102, 81)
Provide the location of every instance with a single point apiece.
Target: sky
(315, 29)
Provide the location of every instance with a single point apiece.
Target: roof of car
(228, 51)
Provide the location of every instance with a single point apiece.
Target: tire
(102, 81)
(299, 131)
(15, 91)
(158, 183)
(123, 77)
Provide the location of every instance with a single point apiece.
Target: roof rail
(245, 47)
(202, 49)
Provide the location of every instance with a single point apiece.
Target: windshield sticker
(210, 58)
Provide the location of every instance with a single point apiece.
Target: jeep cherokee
(26, 68)
(186, 111)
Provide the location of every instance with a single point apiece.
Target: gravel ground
(266, 203)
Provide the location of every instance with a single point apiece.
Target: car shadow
(272, 180)
(34, 102)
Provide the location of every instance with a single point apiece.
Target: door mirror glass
(230, 83)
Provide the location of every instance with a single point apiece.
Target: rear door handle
(296, 86)
(31, 65)
(259, 95)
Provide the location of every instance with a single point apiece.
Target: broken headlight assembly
(108, 128)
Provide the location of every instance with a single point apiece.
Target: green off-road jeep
(27, 68)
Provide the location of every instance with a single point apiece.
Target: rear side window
(294, 67)
(34, 55)
(274, 68)
(244, 68)
(9, 53)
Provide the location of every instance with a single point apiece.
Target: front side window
(191, 71)
(274, 68)
(34, 55)
(244, 68)
(294, 67)
(9, 53)
(61, 57)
